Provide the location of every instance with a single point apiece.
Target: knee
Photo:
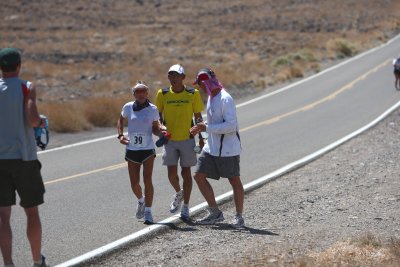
(185, 172)
(235, 182)
(199, 178)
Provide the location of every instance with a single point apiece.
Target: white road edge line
(224, 197)
(250, 101)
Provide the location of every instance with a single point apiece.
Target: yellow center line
(109, 168)
(316, 103)
(266, 122)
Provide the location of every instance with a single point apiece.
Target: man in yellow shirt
(177, 104)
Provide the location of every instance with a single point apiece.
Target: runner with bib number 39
(143, 121)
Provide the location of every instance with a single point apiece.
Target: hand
(200, 127)
(123, 140)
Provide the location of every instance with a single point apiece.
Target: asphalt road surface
(89, 202)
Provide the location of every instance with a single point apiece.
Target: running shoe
(185, 213)
(148, 218)
(177, 202)
(238, 222)
(212, 217)
(43, 264)
(140, 210)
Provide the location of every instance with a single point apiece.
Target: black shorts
(216, 167)
(139, 156)
(24, 178)
(396, 71)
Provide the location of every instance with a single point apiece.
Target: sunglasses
(202, 77)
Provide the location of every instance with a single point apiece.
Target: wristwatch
(119, 136)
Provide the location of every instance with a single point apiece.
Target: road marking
(266, 122)
(290, 86)
(109, 168)
(318, 102)
(137, 236)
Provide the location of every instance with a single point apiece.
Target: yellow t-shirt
(178, 109)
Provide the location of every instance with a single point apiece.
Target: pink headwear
(208, 78)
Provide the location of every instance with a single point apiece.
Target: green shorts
(24, 178)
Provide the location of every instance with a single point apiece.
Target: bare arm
(120, 129)
(157, 128)
(32, 114)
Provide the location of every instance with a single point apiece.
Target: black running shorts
(24, 178)
(139, 156)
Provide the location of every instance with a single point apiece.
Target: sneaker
(140, 210)
(238, 222)
(148, 218)
(177, 202)
(43, 264)
(212, 218)
(185, 213)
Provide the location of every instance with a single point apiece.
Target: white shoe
(185, 213)
(148, 218)
(238, 221)
(177, 202)
(212, 217)
(140, 210)
(43, 264)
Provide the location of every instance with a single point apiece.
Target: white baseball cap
(177, 68)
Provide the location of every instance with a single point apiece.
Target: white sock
(147, 209)
(141, 200)
(186, 205)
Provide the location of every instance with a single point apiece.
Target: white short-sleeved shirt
(140, 125)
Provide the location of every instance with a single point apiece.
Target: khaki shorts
(179, 150)
(24, 178)
(216, 167)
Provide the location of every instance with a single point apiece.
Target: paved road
(89, 201)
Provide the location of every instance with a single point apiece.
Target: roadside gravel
(349, 192)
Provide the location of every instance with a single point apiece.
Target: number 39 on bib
(138, 140)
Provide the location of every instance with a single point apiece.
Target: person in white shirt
(143, 121)
(396, 66)
(221, 153)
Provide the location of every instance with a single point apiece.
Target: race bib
(138, 140)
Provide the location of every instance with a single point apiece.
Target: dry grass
(103, 111)
(365, 250)
(66, 117)
(80, 51)
(341, 48)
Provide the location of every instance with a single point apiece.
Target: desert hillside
(76, 49)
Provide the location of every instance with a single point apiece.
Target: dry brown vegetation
(360, 251)
(76, 51)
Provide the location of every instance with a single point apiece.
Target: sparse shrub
(65, 117)
(296, 72)
(103, 111)
(288, 74)
(341, 48)
(281, 61)
(395, 247)
(367, 240)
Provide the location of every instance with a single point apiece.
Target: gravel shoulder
(349, 192)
